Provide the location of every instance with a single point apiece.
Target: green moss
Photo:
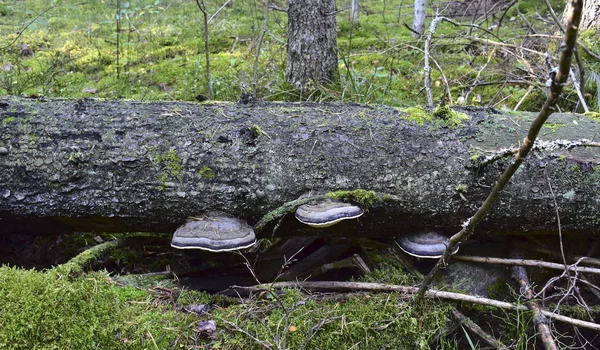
(207, 172)
(362, 197)
(75, 157)
(417, 114)
(449, 117)
(256, 131)
(171, 166)
(593, 115)
(45, 310)
(500, 290)
(475, 157)
(8, 120)
(381, 321)
(553, 126)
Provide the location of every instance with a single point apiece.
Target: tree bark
(590, 17)
(312, 43)
(420, 12)
(126, 166)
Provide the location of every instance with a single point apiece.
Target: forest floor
(72, 49)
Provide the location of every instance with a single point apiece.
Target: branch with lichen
(549, 107)
(539, 146)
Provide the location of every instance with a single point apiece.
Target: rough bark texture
(312, 43)
(590, 18)
(90, 165)
(420, 11)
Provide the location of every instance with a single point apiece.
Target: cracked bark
(124, 166)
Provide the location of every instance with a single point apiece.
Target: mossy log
(122, 166)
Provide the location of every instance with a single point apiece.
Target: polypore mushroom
(217, 232)
(326, 213)
(425, 244)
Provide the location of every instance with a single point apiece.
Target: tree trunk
(590, 18)
(126, 166)
(354, 11)
(419, 17)
(312, 43)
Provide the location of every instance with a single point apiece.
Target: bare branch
(549, 107)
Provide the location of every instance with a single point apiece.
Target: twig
(474, 327)
(427, 67)
(336, 286)
(525, 262)
(540, 321)
(539, 146)
(77, 265)
(202, 8)
(27, 26)
(441, 72)
(219, 10)
(260, 41)
(549, 106)
(529, 90)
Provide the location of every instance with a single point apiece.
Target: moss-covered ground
(73, 49)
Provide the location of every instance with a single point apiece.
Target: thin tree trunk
(420, 11)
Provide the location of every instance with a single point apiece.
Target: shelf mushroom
(216, 232)
(326, 213)
(425, 244)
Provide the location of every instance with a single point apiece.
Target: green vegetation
(362, 197)
(171, 165)
(207, 172)
(70, 50)
(449, 117)
(46, 310)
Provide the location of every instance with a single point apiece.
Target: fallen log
(122, 166)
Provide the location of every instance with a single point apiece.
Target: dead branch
(474, 327)
(539, 320)
(525, 262)
(336, 286)
(549, 107)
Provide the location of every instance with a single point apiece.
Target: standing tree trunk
(354, 11)
(312, 43)
(419, 17)
(590, 18)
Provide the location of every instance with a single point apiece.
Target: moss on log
(120, 166)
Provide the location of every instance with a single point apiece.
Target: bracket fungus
(424, 244)
(327, 213)
(216, 232)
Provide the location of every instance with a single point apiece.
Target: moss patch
(45, 310)
(449, 117)
(207, 172)
(362, 197)
(417, 114)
